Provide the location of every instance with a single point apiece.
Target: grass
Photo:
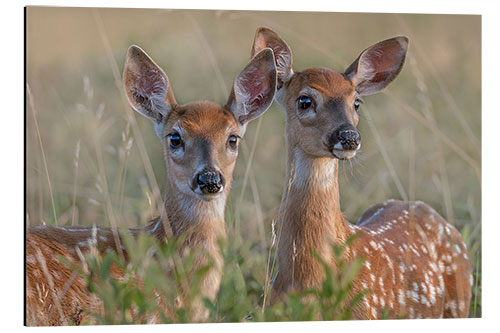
(90, 159)
(141, 296)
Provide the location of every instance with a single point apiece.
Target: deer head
(200, 139)
(322, 104)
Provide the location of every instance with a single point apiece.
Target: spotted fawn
(416, 265)
(200, 145)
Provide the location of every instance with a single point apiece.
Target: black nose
(209, 181)
(350, 139)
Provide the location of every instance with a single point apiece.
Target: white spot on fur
(461, 306)
(381, 283)
(441, 266)
(432, 294)
(389, 241)
(452, 306)
(433, 252)
(424, 301)
(434, 268)
(401, 297)
(413, 295)
(441, 285)
(367, 304)
(440, 230)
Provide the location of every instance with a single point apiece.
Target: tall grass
(91, 160)
(143, 295)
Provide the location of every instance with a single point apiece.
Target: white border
(12, 151)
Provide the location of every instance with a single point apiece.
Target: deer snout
(209, 181)
(348, 139)
(344, 142)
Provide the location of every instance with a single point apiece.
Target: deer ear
(265, 37)
(146, 86)
(254, 88)
(378, 65)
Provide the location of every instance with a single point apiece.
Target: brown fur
(205, 129)
(416, 264)
(42, 289)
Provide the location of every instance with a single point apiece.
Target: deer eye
(175, 140)
(304, 102)
(357, 104)
(233, 142)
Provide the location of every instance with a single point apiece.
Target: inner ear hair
(146, 85)
(254, 88)
(265, 37)
(377, 66)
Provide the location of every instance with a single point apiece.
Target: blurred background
(89, 154)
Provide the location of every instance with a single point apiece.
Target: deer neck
(201, 220)
(311, 217)
(202, 224)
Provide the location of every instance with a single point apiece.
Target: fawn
(200, 141)
(416, 264)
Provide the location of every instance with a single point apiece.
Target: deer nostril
(209, 182)
(200, 179)
(349, 139)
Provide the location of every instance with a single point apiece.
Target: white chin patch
(210, 196)
(344, 154)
